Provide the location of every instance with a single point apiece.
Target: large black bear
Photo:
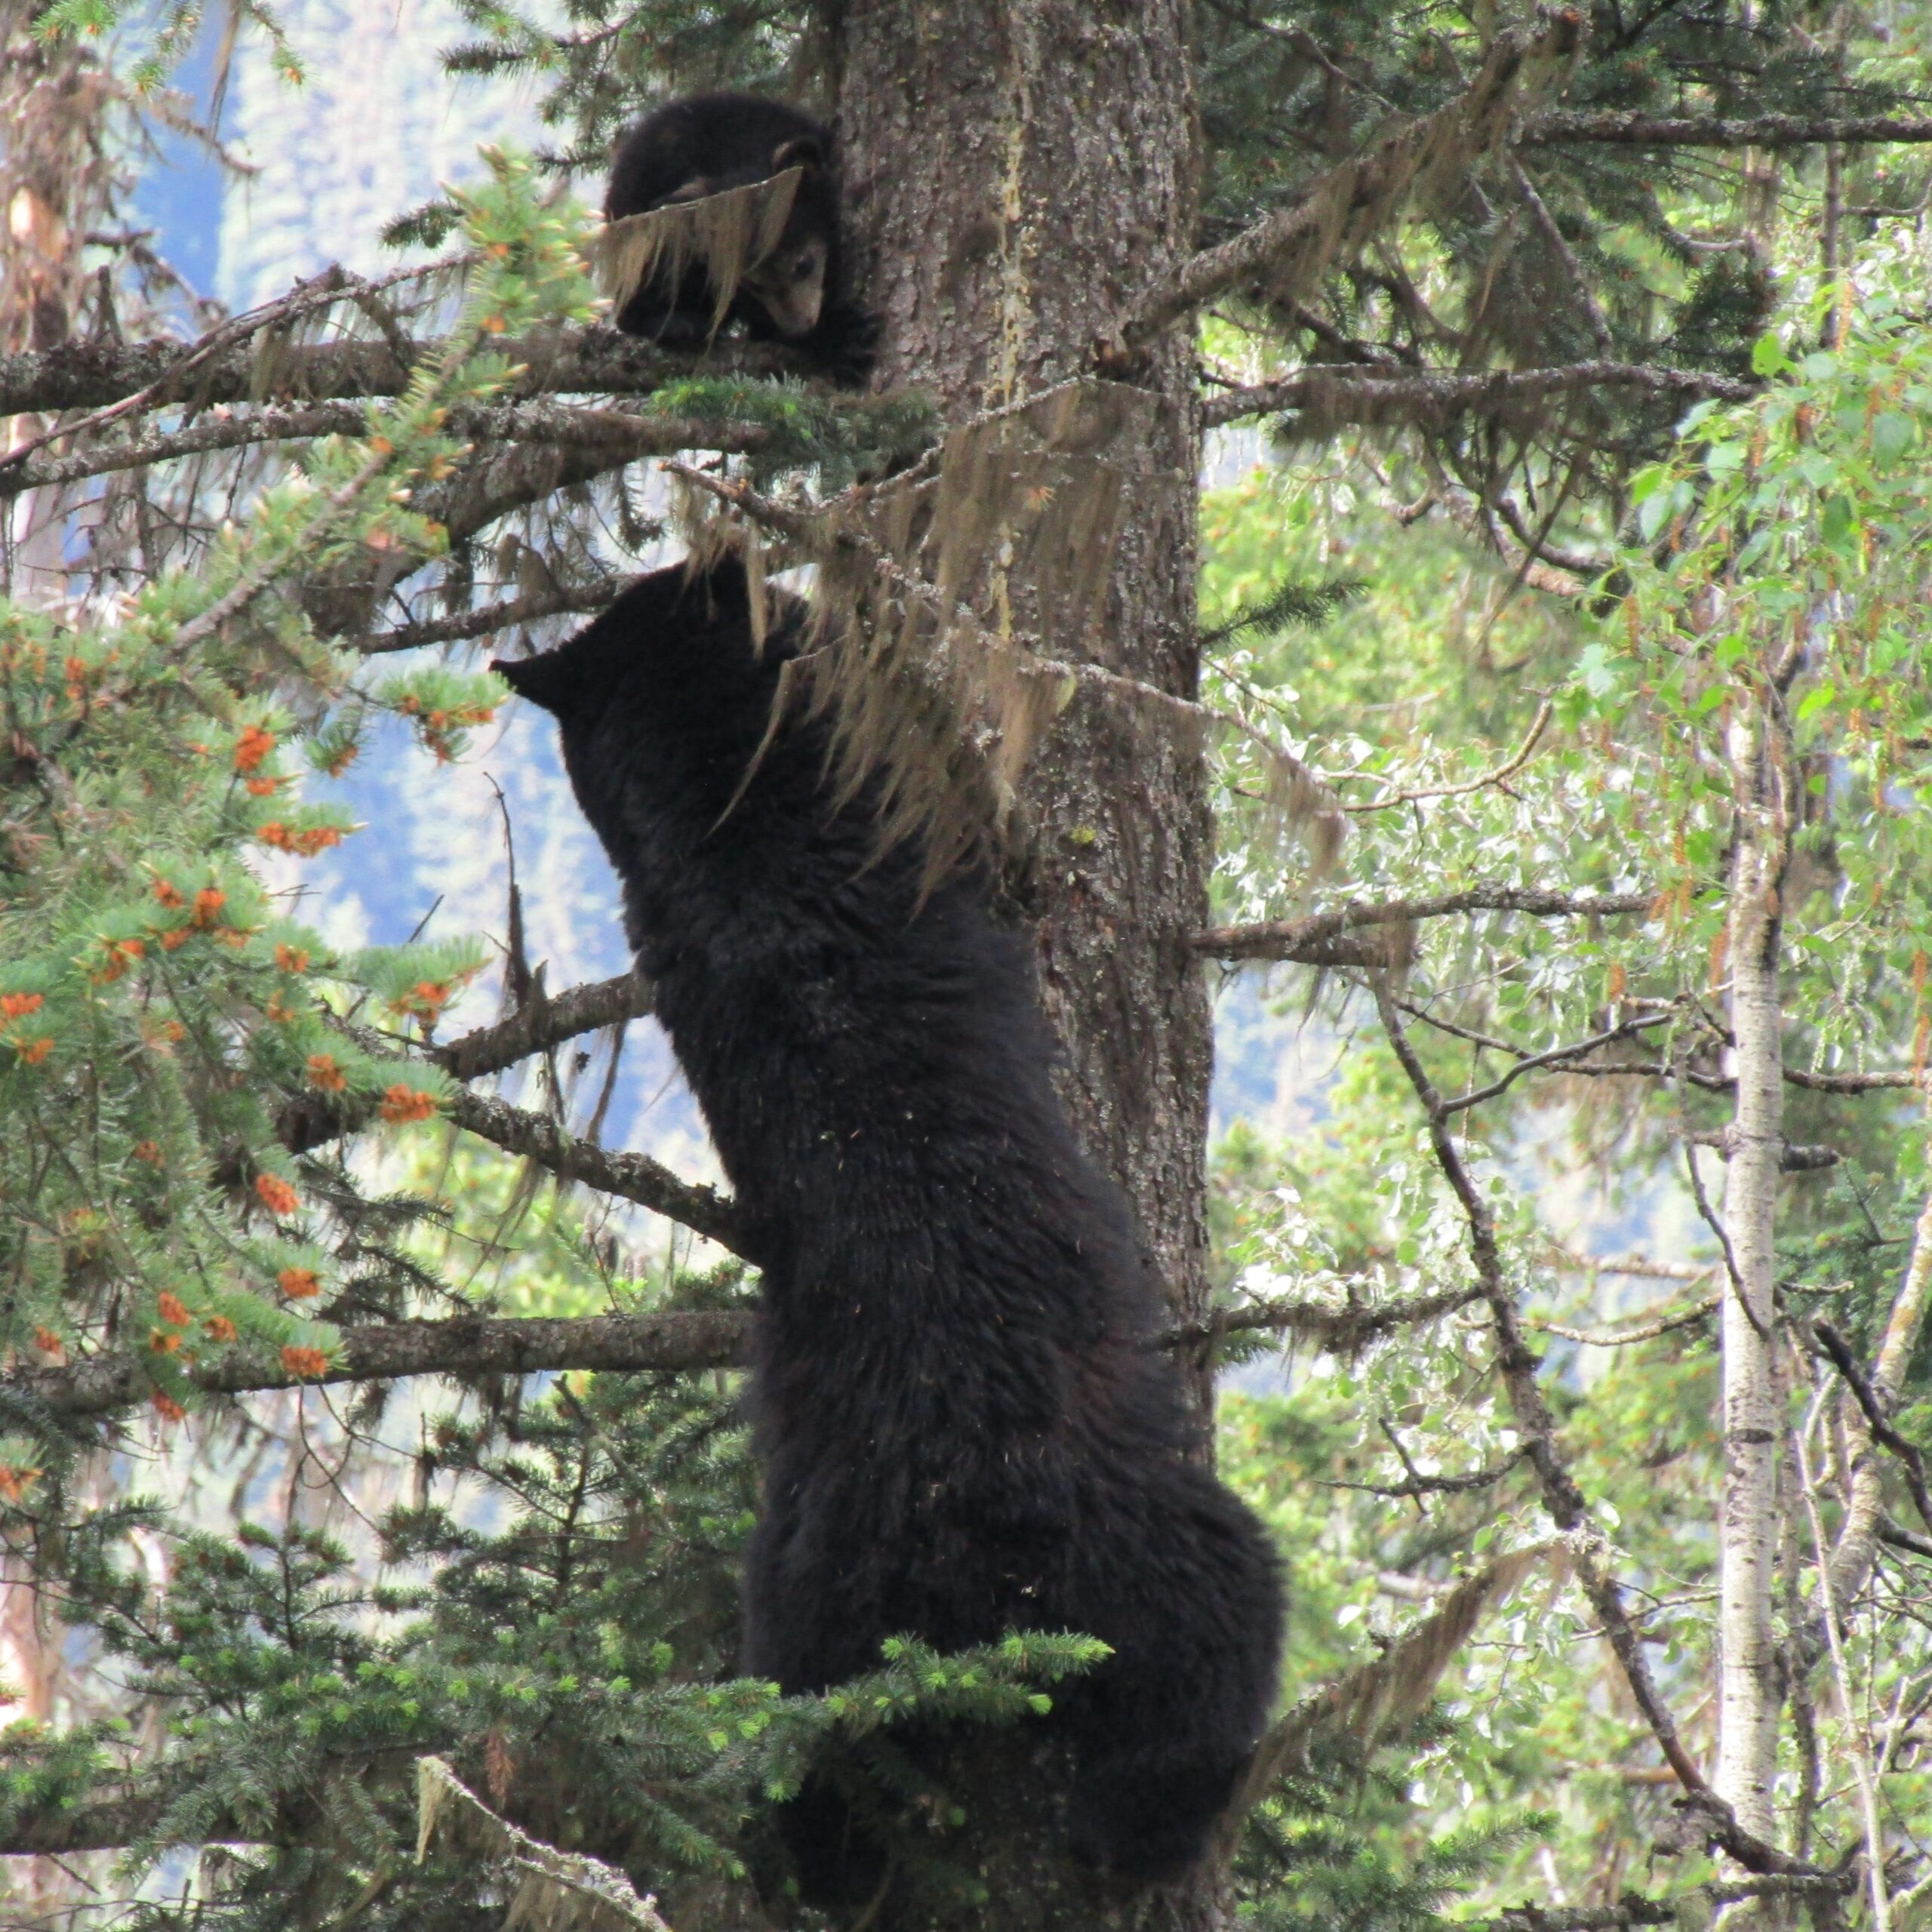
(797, 293)
(966, 1426)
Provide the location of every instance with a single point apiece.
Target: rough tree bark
(1749, 1692)
(1018, 171)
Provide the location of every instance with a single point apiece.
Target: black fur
(715, 141)
(965, 1428)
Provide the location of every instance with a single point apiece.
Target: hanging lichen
(960, 606)
(731, 234)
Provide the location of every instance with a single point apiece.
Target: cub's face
(789, 283)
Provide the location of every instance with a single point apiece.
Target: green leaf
(1768, 357)
(1816, 701)
(1839, 522)
(1892, 433)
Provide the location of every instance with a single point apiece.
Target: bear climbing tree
(967, 1426)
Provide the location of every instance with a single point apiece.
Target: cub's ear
(807, 151)
(550, 678)
(692, 191)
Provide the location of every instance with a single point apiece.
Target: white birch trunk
(1748, 1699)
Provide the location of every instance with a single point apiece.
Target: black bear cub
(965, 1426)
(796, 293)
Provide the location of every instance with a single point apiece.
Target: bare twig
(1507, 769)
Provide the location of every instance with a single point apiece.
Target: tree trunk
(1016, 172)
(1747, 1692)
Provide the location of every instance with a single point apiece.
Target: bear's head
(662, 704)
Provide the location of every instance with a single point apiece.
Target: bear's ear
(551, 678)
(806, 152)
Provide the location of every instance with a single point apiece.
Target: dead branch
(223, 367)
(1342, 1331)
(610, 431)
(1340, 209)
(1508, 768)
(1622, 1338)
(673, 1341)
(543, 1023)
(491, 618)
(1345, 394)
(1563, 1499)
(1633, 1909)
(1793, 1157)
(810, 530)
(1368, 1702)
(629, 1176)
(1555, 1057)
(1876, 1418)
(1556, 127)
(1292, 938)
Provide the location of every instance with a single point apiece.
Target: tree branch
(1876, 1419)
(620, 434)
(1682, 1317)
(629, 1176)
(1558, 126)
(673, 1341)
(492, 617)
(1341, 209)
(676, 1340)
(543, 1023)
(1555, 1057)
(1309, 941)
(1562, 1498)
(564, 360)
(1342, 1331)
(1349, 395)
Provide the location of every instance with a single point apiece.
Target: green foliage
(160, 1011)
(568, 1649)
(808, 431)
